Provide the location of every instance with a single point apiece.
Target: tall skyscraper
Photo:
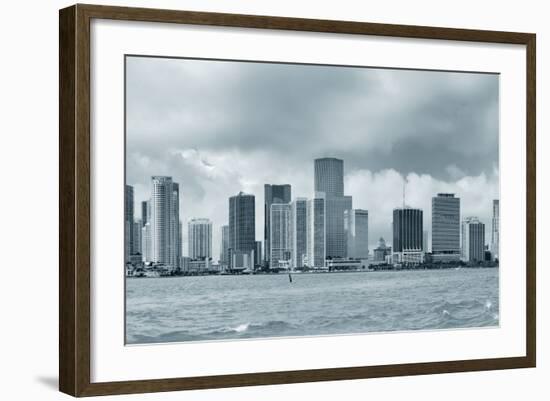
(146, 243)
(473, 240)
(258, 254)
(408, 233)
(446, 228)
(128, 222)
(242, 223)
(298, 231)
(280, 234)
(356, 225)
(329, 179)
(224, 247)
(199, 239)
(137, 237)
(145, 213)
(495, 230)
(165, 235)
(316, 231)
(273, 194)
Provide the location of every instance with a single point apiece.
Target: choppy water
(236, 307)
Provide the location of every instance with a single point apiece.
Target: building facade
(356, 226)
(165, 224)
(242, 224)
(408, 233)
(280, 245)
(298, 231)
(136, 248)
(258, 254)
(273, 194)
(495, 230)
(128, 222)
(224, 246)
(473, 240)
(146, 243)
(316, 231)
(199, 239)
(445, 228)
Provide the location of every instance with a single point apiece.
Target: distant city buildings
(258, 254)
(495, 230)
(356, 226)
(298, 231)
(128, 222)
(280, 231)
(199, 239)
(242, 225)
(445, 228)
(165, 236)
(316, 231)
(381, 251)
(473, 240)
(408, 236)
(273, 194)
(224, 245)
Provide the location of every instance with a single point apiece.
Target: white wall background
(28, 200)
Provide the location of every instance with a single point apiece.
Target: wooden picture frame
(75, 208)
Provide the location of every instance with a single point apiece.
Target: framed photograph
(249, 200)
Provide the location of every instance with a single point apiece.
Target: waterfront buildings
(199, 239)
(242, 224)
(273, 194)
(298, 231)
(408, 236)
(495, 230)
(445, 228)
(165, 224)
(473, 240)
(316, 231)
(258, 254)
(381, 251)
(224, 246)
(128, 222)
(329, 179)
(356, 226)
(280, 240)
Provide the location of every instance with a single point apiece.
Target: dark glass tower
(242, 223)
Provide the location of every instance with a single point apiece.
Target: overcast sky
(220, 127)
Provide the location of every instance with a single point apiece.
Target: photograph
(274, 199)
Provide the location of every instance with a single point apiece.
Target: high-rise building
(495, 230)
(165, 223)
(146, 252)
(224, 246)
(298, 231)
(408, 235)
(356, 226)
(137, 237)
(199, 239)
(273, 194)
(329, 179)
(258, 254)
(145, 213)
(473, 240)
(445, 228)
(316, 231)
(128, 222)
(242, 224)
(280, 234)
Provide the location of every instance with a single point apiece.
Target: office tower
(258, 254)
(165, 236)
(298, 231)
(242, 224)
(145, 213)
(224, 246)
(137, 237)
(356, 226)
(280, 234)
(316, 233)
(495, 230)
(273, 194)
(199, 239)
(445, 228)
(128, 222)
(473, 240)
(408, 235)
(329, 178)
(146, 245)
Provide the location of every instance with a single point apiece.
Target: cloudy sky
(220, 127)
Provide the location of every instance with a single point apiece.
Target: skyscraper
(242, 223)
(258, 254)
(473, 240)
(298, 231)
(356, 225)
(316, 231)
(128, 222)
(408, 235)
(273, 194)
(145, 213)
(446, 228)
(329, 179)
(495, 230)
(280, 242)
(137, 237)
(165, 236)
(199, 239)
(224, 247)
(146, 243)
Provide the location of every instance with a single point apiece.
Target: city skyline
(332, 111)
